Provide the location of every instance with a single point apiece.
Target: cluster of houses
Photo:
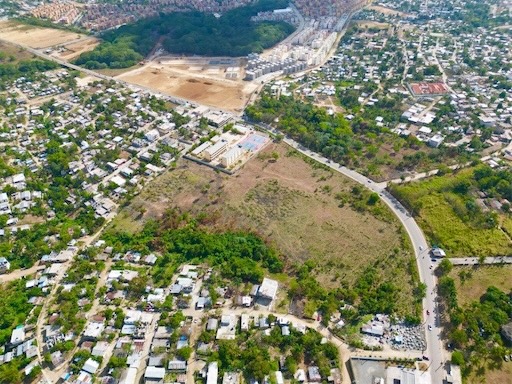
(21, 201)
(22, 344)
(112, 159)
(437, 110)
(49, 86)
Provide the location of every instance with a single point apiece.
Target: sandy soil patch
(37, 37)
(201, 84)
(74, 50)
(86, 80)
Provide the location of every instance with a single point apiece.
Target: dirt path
(19, 273)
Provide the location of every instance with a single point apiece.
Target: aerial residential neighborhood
(255, 192)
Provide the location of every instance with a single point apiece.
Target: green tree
(457, 358)
(444, 267)
(184, 353)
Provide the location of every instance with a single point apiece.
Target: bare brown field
(290, 204)
(206, 86)
(473, 281)
(37, 37)
(74, 50)
(387, 11)
(501, 376)
(17, 53)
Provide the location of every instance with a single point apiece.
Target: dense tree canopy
(14, 307)
(241, 256)
(232, 34)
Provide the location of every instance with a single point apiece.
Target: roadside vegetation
(466, 212)
(193, 33)
(359, 144)
(473, 328)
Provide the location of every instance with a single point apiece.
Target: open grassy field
(305, 211)
(472, 281)
(444, 228)
(443, 216)
(14, 54)
(501, 376)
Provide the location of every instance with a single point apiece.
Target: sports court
(254, 142)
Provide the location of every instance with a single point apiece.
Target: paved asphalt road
(89, 72)
(435, 350)
(476, 260)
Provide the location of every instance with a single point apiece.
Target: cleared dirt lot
(37, 37)
(201, 83)
(387, 11)
(74, 50)
(371, 24)
(290, 204)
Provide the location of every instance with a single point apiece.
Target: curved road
(19, 273)
(435, 349)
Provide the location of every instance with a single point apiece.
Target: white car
(429, 327)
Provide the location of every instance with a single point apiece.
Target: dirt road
(19, 273)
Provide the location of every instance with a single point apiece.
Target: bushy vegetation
(447, 208)
(11, 70)
(14, 307)
(239, 256)
(232, 34)
(359, 144)
(257, 360)
(474, 330)
(83, 275)
(123, 52)
(243, 257)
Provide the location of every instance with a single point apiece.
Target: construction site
(216, 82)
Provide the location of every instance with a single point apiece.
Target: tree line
(194, 33)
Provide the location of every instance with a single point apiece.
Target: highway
(174, 99)
(435, 350)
